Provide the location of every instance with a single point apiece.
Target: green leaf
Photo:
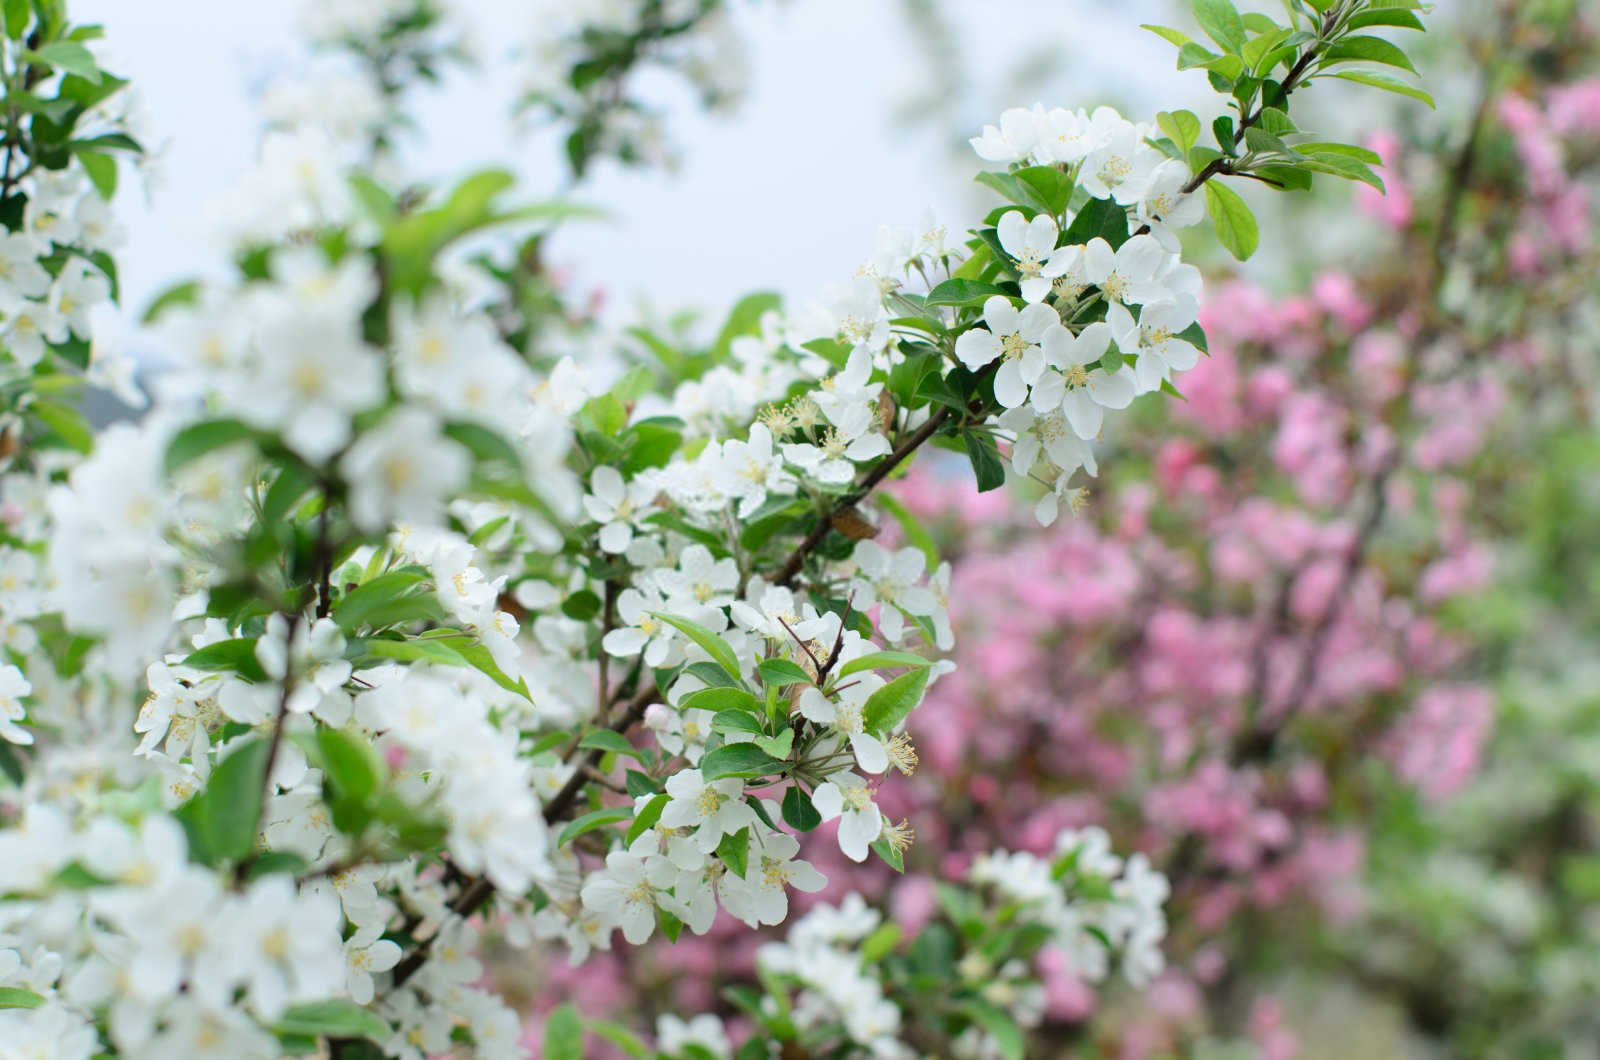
(18, 13)
(720, 651)
(372, 604)
(350, 764)
(1361, 154)
(1182, 126)
(711, 675)
(1001, 1027)
(333, 1019)
(1011, 189)
(607, 740)
(1171, 36)
(879, 659)
(638, 784)
(1341, 166)
(582, 605)
(737, 721)
(1368, 50)
(880, 943)
(798, 811)
(179, 294)
(987, 467)
(590, 821)
(889, 705)
(1098, 217)
(622, 1038)
(17, 997)
(1195, 336)
(198, 439)
(777, 746)
(66, 55)
(1388, 83)
(1050, 187)
(781, 672)
(1235, 224)
(962, 292)
(66, 422)
(720, 699)
(480, 658)
(431, 651)
(1391, 17)
(891, 855)
(11, 766)
(221, 820)
(237, 655)
(734, 850)
(646, 817)
(739, 760)
(563, 1034)
(283, 496)
(102, 170)
(1221, 22)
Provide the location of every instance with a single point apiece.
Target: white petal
(827, 800)
(974, 349)
(615, 537)
(1009, 389)
(1114, 391)
(1013, 232)
(1035, 289)
(870, 754)
(1036, 320)
(1084, 415)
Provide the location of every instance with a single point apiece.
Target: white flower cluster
(1055, 377)
(159, 943)
(822, 953)
(1111, 155)
(440, 722)
(1094, 902)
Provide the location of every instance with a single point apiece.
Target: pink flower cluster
(1558, 221)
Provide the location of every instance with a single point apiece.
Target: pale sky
(787, 192)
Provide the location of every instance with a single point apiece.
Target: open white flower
(890, 580)
(402, 471)
(13, 687)
(619, 507)
(367, 954)
(1127, 274)
(852, 439)
(638, 629)
(1014, 139)
(847, 797)
(1015, 337)
(1164, 205)
(760, 896)
(311, 372)
(1154, 340)
(1120, 164)
(1031, 243)
(1082, 392)
(714, 809)
(626, 891)
(752, 469)
(843, 713)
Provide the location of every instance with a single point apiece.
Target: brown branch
(880, 471)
